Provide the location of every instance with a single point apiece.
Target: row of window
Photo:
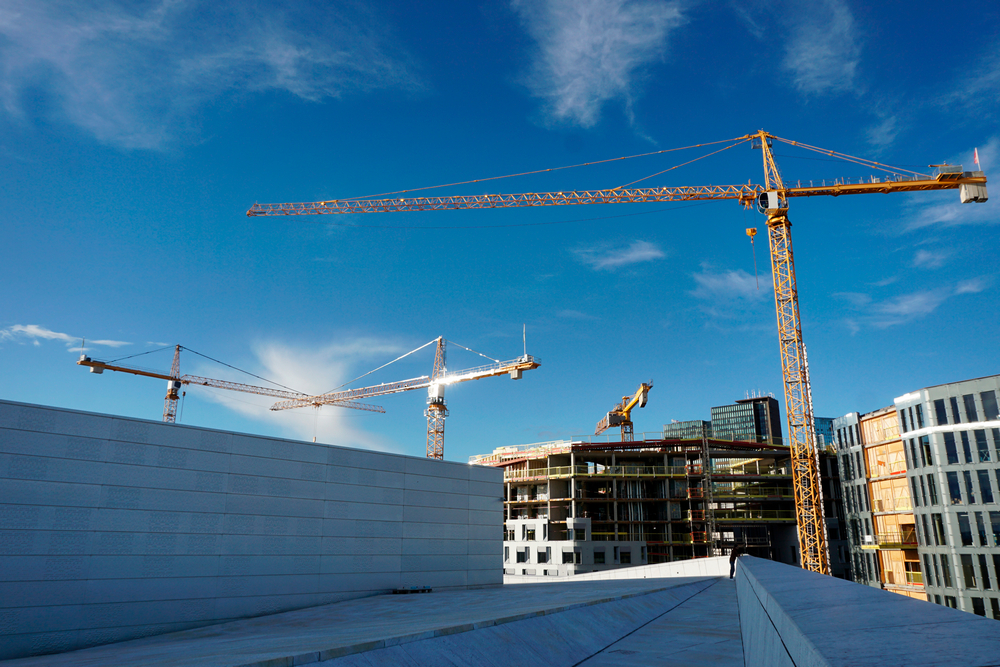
(989, 534)
(544, 555)
(962, 489)
(937, 571)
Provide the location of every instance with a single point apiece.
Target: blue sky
(134, 136)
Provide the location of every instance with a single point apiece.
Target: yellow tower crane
(435, 384)
(771, 199)
(621, 414)
(175, 381)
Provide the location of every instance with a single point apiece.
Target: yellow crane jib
(621, 414)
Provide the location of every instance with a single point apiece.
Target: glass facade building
(749, 420)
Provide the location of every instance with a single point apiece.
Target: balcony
(900, 539)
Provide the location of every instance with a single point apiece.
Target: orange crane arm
(100, 367)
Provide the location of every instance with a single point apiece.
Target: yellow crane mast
(771, 199)
(621, 414)
(175, 381)
(435, 384)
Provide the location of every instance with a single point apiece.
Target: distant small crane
(175, 381)
(621, 414)
(440, 377)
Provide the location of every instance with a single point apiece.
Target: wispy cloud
(822, 49)
(132, 75)
(882, 135)
(733, 295)
(730, 285)
(930, 259)
(977, 93)
(590, 52)
(903, 308)
(312, 370)
(33, 333)
(609, 259)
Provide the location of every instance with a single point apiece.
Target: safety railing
(755, 515)
(752, 492)
(557, 472)
(892, 505)
(897, 539)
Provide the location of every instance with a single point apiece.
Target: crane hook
(752, 232)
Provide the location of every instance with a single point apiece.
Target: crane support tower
(621, 414)
(435, 384)
(771, 199)
(175, 381)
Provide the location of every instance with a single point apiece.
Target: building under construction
(576, 506)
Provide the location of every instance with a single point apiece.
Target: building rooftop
(771, 614)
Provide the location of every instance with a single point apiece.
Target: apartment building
(922, 485)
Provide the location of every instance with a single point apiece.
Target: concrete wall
(115, 528)
(789, 616)
(716, 566)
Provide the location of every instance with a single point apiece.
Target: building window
(626, 557)
(949, 447)
(923, 490)
(977, 607)
(981, 526)
(995, 603)
(927, 533)
(970, 491)
(964, 528)
(506, 554)
(939, 537)
(530, 535)
(599, 557)
(946, 571)
(913, 453)
(989, 399)
(954, 490)
(954, 410)
(968, 571)
(995, 529)
(902, 420)
(916, 496)
(522, 555)
(985, 571)
(927, 569)
(925, 451)
(982, 447)
(920, 416)
(970, 407)
(937, 599)
(965, 446)
(937, 574)
(543, 555)
(932, 487)
(942, 416)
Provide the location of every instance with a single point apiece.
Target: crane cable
(849, 158)
(380, 367)
(496, 361)
(542, 171)
(684, 164)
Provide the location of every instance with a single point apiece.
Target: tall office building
(750, 420)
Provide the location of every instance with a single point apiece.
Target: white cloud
(730, 286)
(133, 75)
(822, 50)
(611, 259)
(590, 52)
(904, 308)
(929, 259)
(35, 333)
(313, 370)
(882, 135)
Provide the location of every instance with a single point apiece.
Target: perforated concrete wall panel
(115, 528)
